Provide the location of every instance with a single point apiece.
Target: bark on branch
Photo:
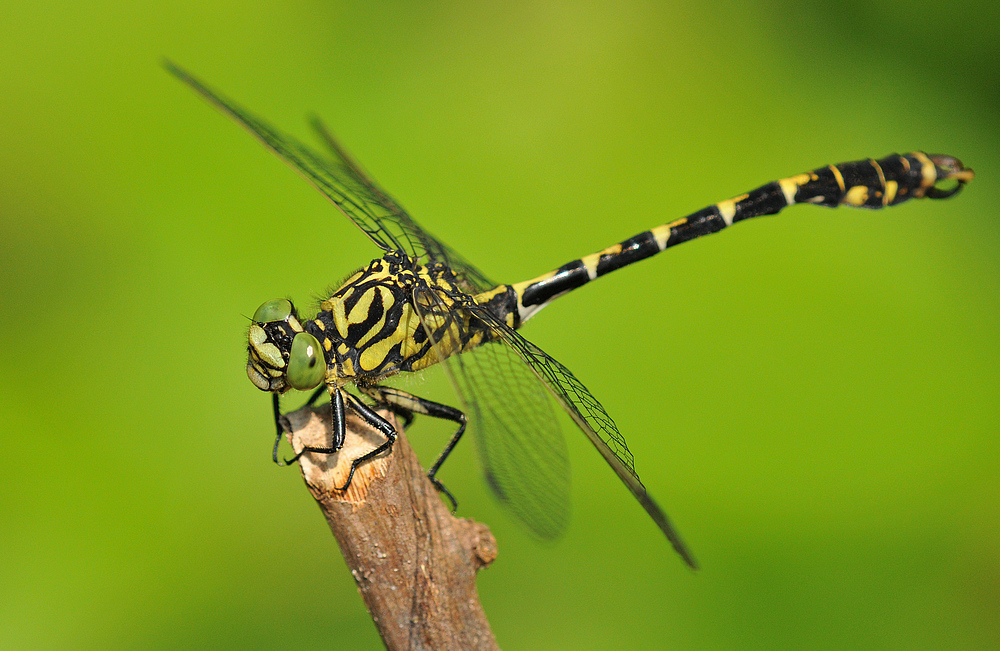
(414, 563)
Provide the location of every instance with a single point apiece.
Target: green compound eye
(278, 309)
(306, 364)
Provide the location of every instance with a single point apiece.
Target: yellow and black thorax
(392, 316)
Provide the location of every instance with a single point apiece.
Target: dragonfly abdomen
(863, 184)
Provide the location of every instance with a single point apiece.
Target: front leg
(280, 432)
(382, 425)
(339, 429)
(339, 424)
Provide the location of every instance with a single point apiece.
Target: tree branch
(414, 562)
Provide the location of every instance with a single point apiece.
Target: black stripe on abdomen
(569, 276)
(704, 222)
(631, 250)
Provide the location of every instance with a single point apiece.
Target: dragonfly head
(280, 355)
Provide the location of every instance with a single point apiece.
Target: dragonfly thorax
(280, 354)
(394, 316)
(369, 323)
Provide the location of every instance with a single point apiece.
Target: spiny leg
(339, 430)
(281, 430)
(379, 423)
(398, 399)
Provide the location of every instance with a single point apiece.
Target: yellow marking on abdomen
(791, 185)
(928, 171)
(837, 175)
(521, 286)
(890, 192)
(727, 208)
(662, 233)
(856, 196)
(590, 262)
(878, 168)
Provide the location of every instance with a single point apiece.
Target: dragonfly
(422, 304)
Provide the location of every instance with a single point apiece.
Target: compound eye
(306, 364)
(278, 309)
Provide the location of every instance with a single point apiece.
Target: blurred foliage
(812, 397)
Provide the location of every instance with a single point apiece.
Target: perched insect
(421, 304)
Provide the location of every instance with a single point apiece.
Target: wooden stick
(414, 562)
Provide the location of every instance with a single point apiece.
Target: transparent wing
(520, 443)
(589, 416)
(522, 449)
(342, 181)
(475, 280)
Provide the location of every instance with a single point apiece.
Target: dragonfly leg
(315, 395)
(399, 402)
(379, 423)
(406, 415)
(398, 399)
(280, 432)
(452, 414)
(340, 429)
(339, 425)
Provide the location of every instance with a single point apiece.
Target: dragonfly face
(280, 355)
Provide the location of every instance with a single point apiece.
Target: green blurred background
(812, 397)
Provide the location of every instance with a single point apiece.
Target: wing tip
(177, 71)
(685, 554)
(663, 522)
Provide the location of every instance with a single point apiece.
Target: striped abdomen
(864, 184)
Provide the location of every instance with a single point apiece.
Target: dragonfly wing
(522, 449)
(590, 417)
(519, 440)
(344, 183)
(474, 280)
